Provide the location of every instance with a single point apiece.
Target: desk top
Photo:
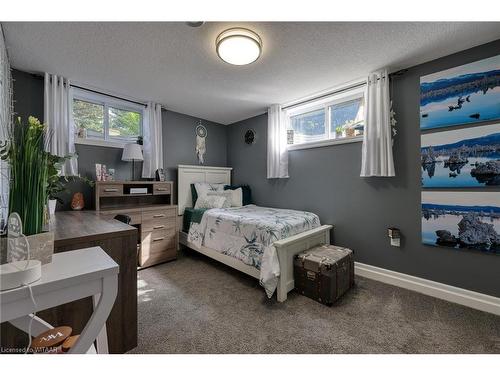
(67, 269)
(71, 225)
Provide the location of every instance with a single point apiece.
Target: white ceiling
(177, 66)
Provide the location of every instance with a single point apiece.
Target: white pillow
(203, 188)
(207, 201)
(234, 198)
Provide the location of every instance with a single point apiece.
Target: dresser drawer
(110, 190)
(158, 214)
(146, 260)
(158, 241)
(159, 189)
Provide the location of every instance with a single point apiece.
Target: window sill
(99, 142)
(327, 142)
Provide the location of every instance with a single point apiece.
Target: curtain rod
(110, 95)
(99, 92)
(352, 87)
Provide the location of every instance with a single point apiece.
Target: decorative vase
(41, 246)
(77, 203)
(52, 207)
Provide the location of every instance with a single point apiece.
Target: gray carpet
(196, 305)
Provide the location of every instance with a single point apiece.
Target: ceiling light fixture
(238, 46)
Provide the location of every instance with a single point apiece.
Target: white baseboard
(446, 292)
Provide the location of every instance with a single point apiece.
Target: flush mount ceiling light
(238, 46)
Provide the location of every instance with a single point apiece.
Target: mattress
(247, 234)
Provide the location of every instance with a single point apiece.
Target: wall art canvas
(459, 158)
(462, 220)
(462, 95)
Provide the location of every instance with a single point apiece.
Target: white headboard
(189, 174)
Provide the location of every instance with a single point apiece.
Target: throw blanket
(247, 233)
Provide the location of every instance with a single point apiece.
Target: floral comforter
(247, 233)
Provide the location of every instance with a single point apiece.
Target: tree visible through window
(98, 116)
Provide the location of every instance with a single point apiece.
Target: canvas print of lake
(466, 94)
(461, 158)
(462, 220)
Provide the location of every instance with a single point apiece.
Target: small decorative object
(82, 133)
(461, 95)
(461, 158)
(50, 340)
(77, 203)
(160, 174)
(20, 269)
(289, 137)
(132, 152)
(201, 134)
(461, 220)
(98, 172)
(104, 172)
(140, 140)
(250, 136)
(111, 174)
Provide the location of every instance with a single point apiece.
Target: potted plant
(339, 131)
(56, 184)
(24, 150)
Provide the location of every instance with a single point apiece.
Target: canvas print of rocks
(462, 95)
(461, 158)
(462, 220)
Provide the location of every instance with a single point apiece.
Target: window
(334, 119)
(101, 119)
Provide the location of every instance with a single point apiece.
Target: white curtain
(58, 115)
(152, 147)
(277, 154)
(377, 145)
(5, 125)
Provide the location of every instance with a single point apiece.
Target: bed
(259, 241)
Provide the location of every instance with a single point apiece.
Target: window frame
(107, 102)
(325, 104)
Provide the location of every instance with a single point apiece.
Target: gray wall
(326, 181)
(179, 140)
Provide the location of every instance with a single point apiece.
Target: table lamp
(132, 152)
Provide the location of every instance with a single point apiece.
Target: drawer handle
(159, 215)
(158, 239)
(161, 189)
(110, 190)
(159, 227)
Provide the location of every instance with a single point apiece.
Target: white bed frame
(286, 248)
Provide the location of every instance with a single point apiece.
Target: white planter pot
(52, 207)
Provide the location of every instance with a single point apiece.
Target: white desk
(71, 275)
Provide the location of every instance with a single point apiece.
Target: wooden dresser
(151, 212)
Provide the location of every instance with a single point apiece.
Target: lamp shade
(132, 152)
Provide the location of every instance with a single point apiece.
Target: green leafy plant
(56, 184)
(24, 150)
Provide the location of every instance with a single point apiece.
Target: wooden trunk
(324, 273)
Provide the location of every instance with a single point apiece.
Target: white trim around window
(324, 143)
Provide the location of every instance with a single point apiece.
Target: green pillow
(194, 194)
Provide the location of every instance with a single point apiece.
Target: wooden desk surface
(69, 226)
